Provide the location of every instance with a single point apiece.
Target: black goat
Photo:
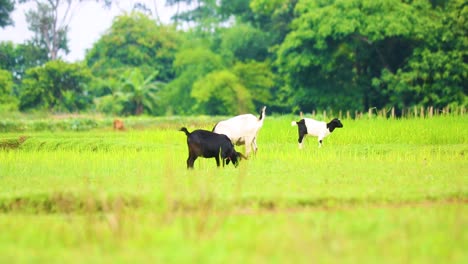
(210, 145)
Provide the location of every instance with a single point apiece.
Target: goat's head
(335, 123)
(235, 157)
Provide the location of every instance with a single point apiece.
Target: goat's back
(205, 136)
(208, 144)
(315, 127)
(239, 126)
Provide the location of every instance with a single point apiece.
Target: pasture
(379, 190)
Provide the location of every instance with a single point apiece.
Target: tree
(225, 58)
(134, 40)
(50, 21)
(56, 86)
(436, 72)
(7, 101)
(7, 55)
(336, 48)
(203, 14)
(139, 91)
(6, 7)
(273, 16)
(221, 93)
(132, 94)
(6, 84)
(50, 30)
(17, 58)
(244, 42)
(260, 27)
(191, 65)
(258, 79)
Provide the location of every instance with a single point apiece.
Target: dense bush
(72, 124)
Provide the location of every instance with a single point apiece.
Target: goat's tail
(293, 123)
(185, 130)
(262, 114)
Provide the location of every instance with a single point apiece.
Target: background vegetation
(229, 57)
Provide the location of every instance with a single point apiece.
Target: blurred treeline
(234, 56)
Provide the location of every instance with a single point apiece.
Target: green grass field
(387, 191)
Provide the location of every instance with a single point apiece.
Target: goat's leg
(302, 131)
(247, 149)
(190, 161)
(301, 138)
(217, 161)
(320, 139)
(254, 145)
(248, 146)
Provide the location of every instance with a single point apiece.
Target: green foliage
(134, 48)
(191, 65)
(258, 79)
(139, 91)
(436, 73)
(273, 17)
(344, 44)
(239, 9)
(18, 58)
(7, 55)
(134, 40)
(204, 15)
(110, 104)
(216, 87)
(287, 54)
(245, 42)
(56, 86)
(7, 101)
(431, 79)
(197, 61)
(6, 84)
(6, 7)
(222, 93)
(133, 94)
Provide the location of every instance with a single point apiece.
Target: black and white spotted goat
(319, 129)
(242, 130)
(203, 143)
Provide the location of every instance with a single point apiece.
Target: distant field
(387, 191)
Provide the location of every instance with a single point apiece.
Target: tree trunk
(139, 109)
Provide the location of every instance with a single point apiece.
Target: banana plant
(139, 92)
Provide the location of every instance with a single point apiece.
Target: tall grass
(378, 190)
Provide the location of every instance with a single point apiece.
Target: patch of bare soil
(8, 144)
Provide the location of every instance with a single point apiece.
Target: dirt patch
(92, 203)
(8, 144)
(66, 203)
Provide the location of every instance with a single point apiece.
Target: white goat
(319, 129)
(242, 130)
